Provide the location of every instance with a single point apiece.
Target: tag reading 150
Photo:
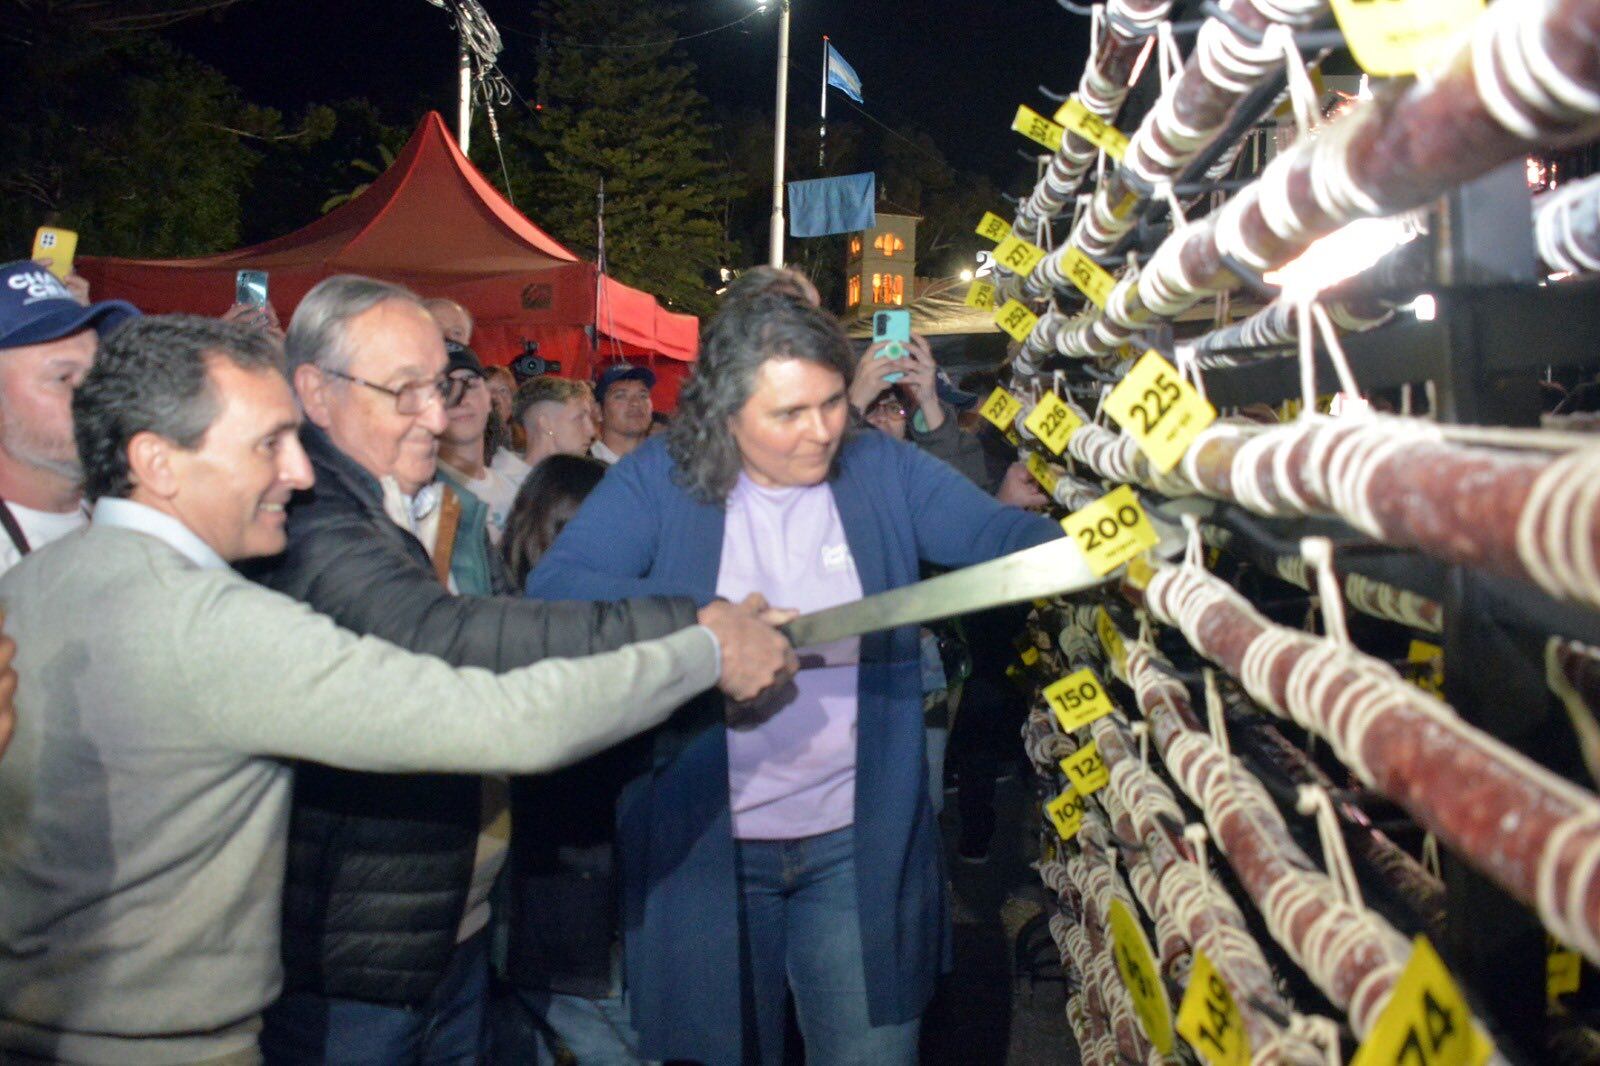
(1086, 769)
(1090, 277)
(1425, 1021)
(1037, 128)
(1162, 412)
(1137, 965)
(981, 296)
(1053, 422)
(1017, 255)
(1092, 128)
(1077, 700)
(1001, 408)
(1209, 1018)
(1111, 530)
(1017, 320)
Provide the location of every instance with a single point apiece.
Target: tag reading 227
(1111, 530)
(1161, 411)
(1001, 408)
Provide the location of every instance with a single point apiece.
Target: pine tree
(619, 106)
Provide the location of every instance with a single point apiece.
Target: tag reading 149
(1209, 1018)
(1053, 422)
(1162, 412)
(1111, 530)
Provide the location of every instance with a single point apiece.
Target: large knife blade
(1053, 569)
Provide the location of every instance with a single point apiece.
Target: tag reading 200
(1111, 530)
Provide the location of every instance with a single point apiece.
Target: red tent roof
(434, 223)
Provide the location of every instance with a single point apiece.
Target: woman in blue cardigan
(799, 849)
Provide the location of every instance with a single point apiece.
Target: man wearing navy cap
(47, 344)
(623, 393)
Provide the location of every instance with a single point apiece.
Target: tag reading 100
(1066, 813)
(1162, 412)
(1111, 530)
(1077, 700)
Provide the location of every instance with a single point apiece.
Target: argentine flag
(842, 75)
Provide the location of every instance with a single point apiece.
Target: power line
(646, 44)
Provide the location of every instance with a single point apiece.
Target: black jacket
(379, 865)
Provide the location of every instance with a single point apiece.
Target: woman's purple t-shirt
(794, 775)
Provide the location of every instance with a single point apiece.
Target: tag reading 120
(1209, 1018)
(1077, 700)
(1092, 128)
(1052, 421)
(1111, 530)
(1425, 1021)
(1162, 412)
(1001, 408)
(1137, 965)
(1016, 319)
(1037, 128)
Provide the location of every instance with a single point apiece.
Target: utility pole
(775, 257)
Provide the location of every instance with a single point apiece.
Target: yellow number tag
(981, 296)
(1425, 1020)
(1013, 437)
(1016, 320)
(1111, 530)
(1053, 422)
(1043, 472)
(993, 228)
(1066, 813)
(1140, 571)
(1110, 639)
(1161, 411)
(1090, 277)
(1030, 656)
(1092, 128)
(1077, 700)
(1017, 255)
(1037, 128)
(1209, 1018)
(1431, 654)
(1001, 408)
(1086, 770)
(1404, 36)
(1562, 967)
(1137, 965)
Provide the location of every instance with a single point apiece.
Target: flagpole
(775, 256)
(822, 138)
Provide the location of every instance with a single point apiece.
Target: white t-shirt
(40, 528)
(495, 488)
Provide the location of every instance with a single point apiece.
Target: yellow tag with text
(1392, 37)
(992, 227)
(1209, 1018)
(1092, 128)
(1017, 255)
(1037, 128)
(1090, 277)
(1431, 655)
(1053, 422)
(1425, 1020)
(1043, 472)
(1077, 700)
(1111, 530)
(1137, 965)
(1140, 571)
(1110, 638)
(1030, 656)
(1162, 412)
(1001, 408)
(1086, 770)
(1016, 320)
(1066, 813)
(981, 295)
(1012, 437)
(1562, 968)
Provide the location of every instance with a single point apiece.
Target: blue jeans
(596, 1032)
(451, 1028)
(798, 917)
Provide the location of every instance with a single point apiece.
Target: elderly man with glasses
(386, 899)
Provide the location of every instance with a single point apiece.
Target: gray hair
(319, 333)
(745, 333)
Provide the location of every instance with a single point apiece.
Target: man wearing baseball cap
(47, 344)
(623, 393)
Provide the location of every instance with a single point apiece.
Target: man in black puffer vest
(384, 949)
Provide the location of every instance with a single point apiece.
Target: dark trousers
(987, 730)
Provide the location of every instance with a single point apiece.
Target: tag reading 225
(1111, 530)
(1161, 411)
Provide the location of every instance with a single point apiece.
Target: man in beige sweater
(142, 805)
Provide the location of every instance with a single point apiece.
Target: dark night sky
(950, 67)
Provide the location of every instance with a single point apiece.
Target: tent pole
(464, 108)
(779, 129)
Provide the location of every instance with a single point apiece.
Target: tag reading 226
(1111, 530)
(1053, 422)
(1161, 411)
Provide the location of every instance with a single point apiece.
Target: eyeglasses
(411, 398)
(889, 410)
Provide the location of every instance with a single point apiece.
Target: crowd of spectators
(369, 706)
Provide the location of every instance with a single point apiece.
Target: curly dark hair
(151, 375)
(769, 324)
(548, 499)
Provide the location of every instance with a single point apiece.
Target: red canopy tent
(433, 223)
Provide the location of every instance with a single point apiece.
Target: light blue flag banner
(823, 206)
(842, 75)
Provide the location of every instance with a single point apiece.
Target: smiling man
(143, 803)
